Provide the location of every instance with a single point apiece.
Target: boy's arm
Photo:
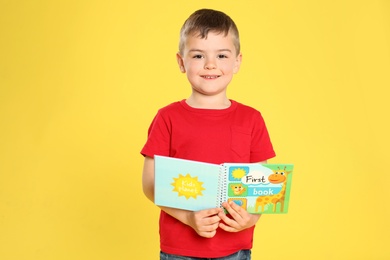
(148, 178)
(204, 222)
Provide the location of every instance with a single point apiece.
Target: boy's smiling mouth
(210, 76)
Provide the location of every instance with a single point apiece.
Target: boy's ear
(180, 62)
(238, 63)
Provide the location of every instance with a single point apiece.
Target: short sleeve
(158, 142)
(261, 146)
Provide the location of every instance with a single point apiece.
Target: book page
(186, 184)
(259, 188)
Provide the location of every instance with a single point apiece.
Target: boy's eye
(198, 56)
(222, 56)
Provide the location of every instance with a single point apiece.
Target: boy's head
(203, 21)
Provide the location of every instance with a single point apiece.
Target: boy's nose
(210, 64)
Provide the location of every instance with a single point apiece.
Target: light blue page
(185, 184)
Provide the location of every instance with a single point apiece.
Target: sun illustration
(238, 173)
(187, 186)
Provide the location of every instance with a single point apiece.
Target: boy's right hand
(204, 222)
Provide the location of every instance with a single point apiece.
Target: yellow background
(80, 82)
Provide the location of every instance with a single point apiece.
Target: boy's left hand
(241, 218)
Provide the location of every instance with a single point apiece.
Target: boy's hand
(205, 222)
(241, 218)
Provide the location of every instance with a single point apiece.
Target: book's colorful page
(260, 188)
(186, 184)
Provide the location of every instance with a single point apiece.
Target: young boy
(211, 128)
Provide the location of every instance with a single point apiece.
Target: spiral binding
(222, 187)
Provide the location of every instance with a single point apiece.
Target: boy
(211, 128)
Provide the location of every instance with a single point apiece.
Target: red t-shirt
(234, 134)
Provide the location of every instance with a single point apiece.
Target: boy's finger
(214, 211)
(236, 208)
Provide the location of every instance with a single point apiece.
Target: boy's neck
(208, 102)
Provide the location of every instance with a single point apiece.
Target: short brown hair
(202, 21)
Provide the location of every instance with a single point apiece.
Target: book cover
(191, 185)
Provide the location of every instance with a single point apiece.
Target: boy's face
(209, 63)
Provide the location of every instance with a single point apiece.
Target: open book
(192, 185)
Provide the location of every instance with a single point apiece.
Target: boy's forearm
(148, 189)
(149, 193)
(148, 178)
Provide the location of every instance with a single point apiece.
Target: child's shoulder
(172, 109)
(172, 106)
(246, 108)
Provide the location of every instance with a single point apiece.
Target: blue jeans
(240, 255)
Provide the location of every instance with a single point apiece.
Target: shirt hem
(190, 253)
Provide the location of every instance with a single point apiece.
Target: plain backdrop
(80, 82)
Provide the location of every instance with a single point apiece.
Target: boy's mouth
(210, 76)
